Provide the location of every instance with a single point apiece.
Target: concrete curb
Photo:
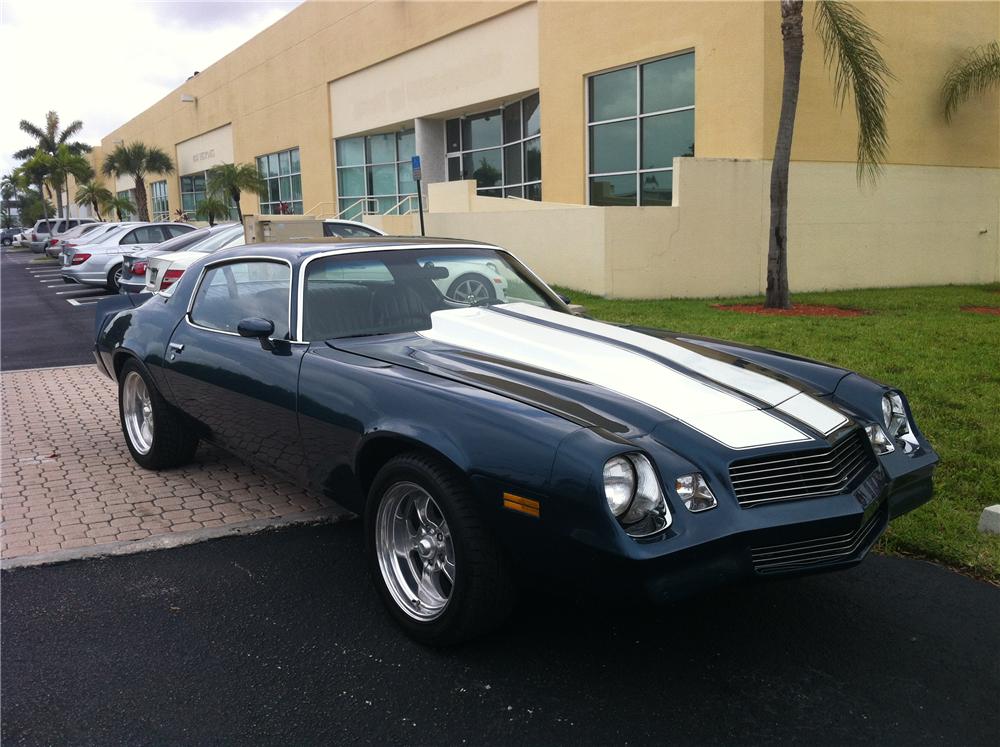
(178, 539)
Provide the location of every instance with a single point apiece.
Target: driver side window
(232, 292)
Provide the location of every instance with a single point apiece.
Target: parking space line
(80, 290)
(82, 301)
(53, 271)
(54, 280)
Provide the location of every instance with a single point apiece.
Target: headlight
(619, 484)
(634, 496)
(897, 424)
(695, 493)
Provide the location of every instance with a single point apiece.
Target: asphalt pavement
(40, 327)
(279, 638)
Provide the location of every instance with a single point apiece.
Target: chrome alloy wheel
(137, 409)
(415, 551)
(471, 291)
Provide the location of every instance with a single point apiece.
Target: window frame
(520, 143)
(267, 202)
(293, 337)
(637, 118)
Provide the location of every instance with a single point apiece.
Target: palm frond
(32, 129)
(977, 71)
(850, 47)
(74, 127)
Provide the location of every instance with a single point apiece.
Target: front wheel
(7, 242)
(156, 434)
(438, 568)
(472, 288)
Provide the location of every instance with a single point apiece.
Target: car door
(244, 396)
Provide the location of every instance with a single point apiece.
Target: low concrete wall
(922, 225)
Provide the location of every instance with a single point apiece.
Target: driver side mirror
(255, 326)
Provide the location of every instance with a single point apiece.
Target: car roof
(298, 251)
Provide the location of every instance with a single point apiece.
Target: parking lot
(280, 637)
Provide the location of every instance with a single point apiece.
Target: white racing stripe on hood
(713, 412)
(788, 399)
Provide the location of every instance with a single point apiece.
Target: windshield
(385, 292)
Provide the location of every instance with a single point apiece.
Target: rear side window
(174, 231)
(143, 235)
(240, 290)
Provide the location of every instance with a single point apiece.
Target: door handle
(176, 346)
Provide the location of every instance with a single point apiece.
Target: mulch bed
(990, 310)
(797, 310)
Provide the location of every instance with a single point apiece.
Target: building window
(282, 172)
(639, 118)
(128, 194)
(194, 188)
(375, 174)
(501, 149)
(161, 209)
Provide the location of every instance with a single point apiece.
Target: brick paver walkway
(67, 479)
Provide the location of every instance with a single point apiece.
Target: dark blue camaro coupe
(488, 436)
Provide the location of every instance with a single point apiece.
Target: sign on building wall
(205, 151)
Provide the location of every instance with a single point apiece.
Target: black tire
(174, 440)
(471, 277)
(114, 276)
(7, 242)
(483, 593)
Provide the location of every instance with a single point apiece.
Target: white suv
(51, 226)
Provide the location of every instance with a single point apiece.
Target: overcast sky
(105, 61)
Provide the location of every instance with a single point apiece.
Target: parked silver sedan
(205, 240)
(100, 263)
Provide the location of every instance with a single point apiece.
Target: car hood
(605, 376)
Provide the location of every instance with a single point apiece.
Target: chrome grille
(819, 551)
(808, 475)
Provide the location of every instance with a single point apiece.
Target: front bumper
(704, 551)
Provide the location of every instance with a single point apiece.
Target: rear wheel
(156, 434)
(7, 242)
(438, 568)
(115, 278)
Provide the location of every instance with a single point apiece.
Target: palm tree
(850, 47)
(50, 137)
(210, 208)
(95, 194)
(231, 180)
(61, 166)
(975, 72)
(137, 160)
(123, 206)
(35, 171)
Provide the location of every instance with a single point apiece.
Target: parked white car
(349, 229)
(100, 263)
(163, 270)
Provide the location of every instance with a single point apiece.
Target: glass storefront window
(282, 174)
(158, 198)
(640, 119)
(500, 149)
(374, 174)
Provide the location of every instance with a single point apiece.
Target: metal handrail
(365, 203)
(409, 199)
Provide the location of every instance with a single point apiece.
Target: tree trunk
(140, 199)
(97, 212)
(59, 203)
(236, 200)
(777, 249)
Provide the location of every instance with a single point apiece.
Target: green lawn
(946, 361)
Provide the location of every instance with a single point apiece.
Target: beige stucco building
(618, 147)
